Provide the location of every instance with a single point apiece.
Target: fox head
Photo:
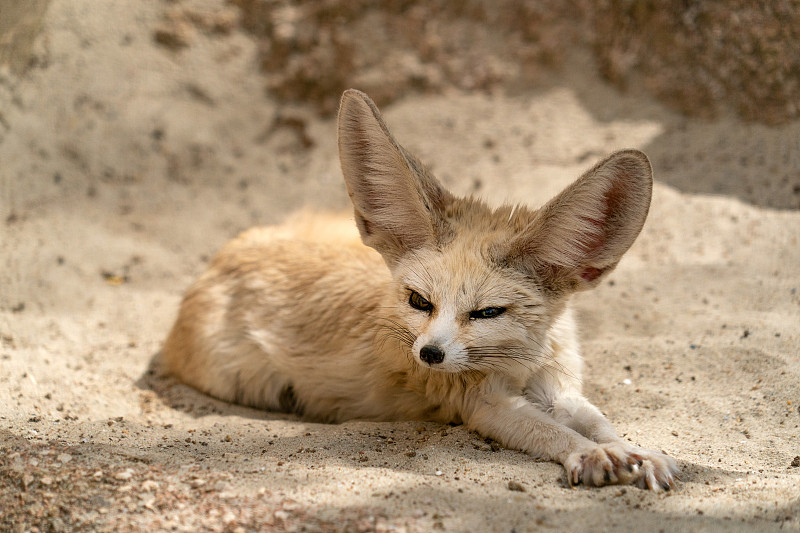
(478, 288)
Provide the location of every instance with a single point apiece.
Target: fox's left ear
(581, 234)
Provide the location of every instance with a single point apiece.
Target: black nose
(431, 354)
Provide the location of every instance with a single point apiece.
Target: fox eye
(418, 302)
(488, 312)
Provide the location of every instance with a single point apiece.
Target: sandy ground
(124, 165)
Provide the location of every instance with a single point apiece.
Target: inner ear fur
(580, 235)
(397, 202)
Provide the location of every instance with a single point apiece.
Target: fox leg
(517, 423)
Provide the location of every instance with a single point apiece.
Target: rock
(64, 458)
(515, 486)
(124, 475)
(149, 485)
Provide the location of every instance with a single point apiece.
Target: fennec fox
(452, 312)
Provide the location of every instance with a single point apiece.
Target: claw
(652, 484)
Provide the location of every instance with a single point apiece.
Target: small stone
(221, 486)
(149, 485)
(124, 475)
(515, 486)
(796, 461)
(46, 480)
(64, 458)
(150, 504)
(197, 483)
(174, 35)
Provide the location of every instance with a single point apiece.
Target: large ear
(398, 204)
(581, 234)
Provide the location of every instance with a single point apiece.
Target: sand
(124, 165)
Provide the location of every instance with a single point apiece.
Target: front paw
(617, 463)
(658, 470)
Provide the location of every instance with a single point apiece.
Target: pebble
(149, 485)
(197, 483)
(64, 458)
(515, 486)
(124, 475)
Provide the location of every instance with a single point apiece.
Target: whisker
(502, 357)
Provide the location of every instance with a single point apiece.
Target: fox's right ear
(398, 204)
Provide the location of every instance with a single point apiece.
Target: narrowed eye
(418, 302)
(488, 312)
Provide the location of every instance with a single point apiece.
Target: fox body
(452, 312)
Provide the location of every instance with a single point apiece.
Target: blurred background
(706, 60)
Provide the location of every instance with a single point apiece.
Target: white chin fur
(442, 367)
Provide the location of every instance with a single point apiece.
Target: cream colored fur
(304, 318)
